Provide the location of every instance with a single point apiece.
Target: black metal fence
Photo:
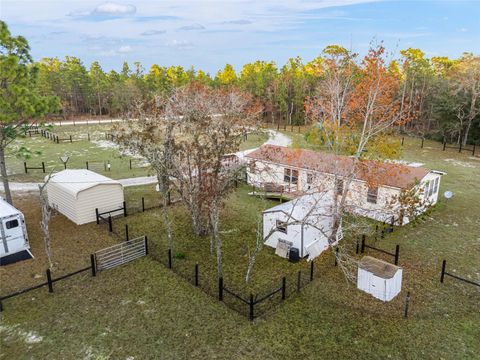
(458, 147)
(26, 168)
(445, 273)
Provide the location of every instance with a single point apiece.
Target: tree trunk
(214, 219)
(3, 172)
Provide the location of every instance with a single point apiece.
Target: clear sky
(208, 34)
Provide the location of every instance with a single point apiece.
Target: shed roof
(378, 267)
(300, 207)
(6, 209)
(74, 181)
(389, 174)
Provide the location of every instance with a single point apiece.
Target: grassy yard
(144, 311)
(97, 151)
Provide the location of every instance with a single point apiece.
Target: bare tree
(45, 221)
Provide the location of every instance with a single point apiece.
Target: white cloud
(181, 44)
(115, 9)
(192, 27)
(237, 22)
(153, 32)
(124, 49)
(463, 29)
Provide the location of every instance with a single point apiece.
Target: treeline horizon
(441, 86)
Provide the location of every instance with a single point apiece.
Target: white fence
(121, 253)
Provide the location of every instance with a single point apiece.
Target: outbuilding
(14, 244)
(379, 278)
(301, 227)
(76, 193)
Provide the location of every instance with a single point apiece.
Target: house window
(310, 178)
(372, 195)
(11, 224)
(339, 186)
(435, 189)
(290, 176)
(281, 226)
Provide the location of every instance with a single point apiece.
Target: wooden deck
(276, 195)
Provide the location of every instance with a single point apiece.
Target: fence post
(422, 143)
(392, 222)
(444, 266)
(130, 164)
(397, 253)
(460, 148)
(407, 301)
(146, 245)
(86, 164)
(169, 199)
(220, 289)
(58, 140)
(284, 287)
(196, 274)
(143, 204)
(110, 226)
(252, 304)
(362, 249)
(96, 216)
(169, 258)
(126, 232)
(43, 167)
(71, 138)
(311, 271)
(403, 139)
(49, 280)
(444, 144)
(124, 209)
(336, 253)
(1, 306)
(299, 279)
(25, 166)
(88, 136)
(93, 264)
(473, 151)
(357, 248)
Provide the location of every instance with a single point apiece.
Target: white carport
(304, 223)
(76, 193)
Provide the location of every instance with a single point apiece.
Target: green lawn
(97, 151)
(145, 311)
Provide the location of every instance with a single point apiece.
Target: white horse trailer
(14, 244)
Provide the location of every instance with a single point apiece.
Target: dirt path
(275, 138)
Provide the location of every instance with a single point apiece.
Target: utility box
(379, 278)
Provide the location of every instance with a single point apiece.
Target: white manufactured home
(77, 193)
(302, 225)
(297, 171)
(13, 234)
(379, 278)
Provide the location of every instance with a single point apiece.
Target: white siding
(105, 197)
(63, 201)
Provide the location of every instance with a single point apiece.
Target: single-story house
(375, 190)
(304, 224)
(76, 193)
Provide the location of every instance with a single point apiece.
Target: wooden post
(43, 167)
(196, 274)
(130, 162)
(93, 264)
(252, 304)
(397, 253)
(96, 216)
(299, 279)
(146, 245)
(86, 164)
(362, 248)
(143, 204)
(71, 138)
(444, 144)
(403, 139)
(49, 280)
(422, 143)
(220, 289)
(284, 287)
(444, 266)
(25, 166)
(460, 147)
(169, 258)
(124, 209)
(110, 226)
(126, 232)
(407, 301)
(311, 271)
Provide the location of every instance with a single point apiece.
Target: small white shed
(304, 223)
(379, 278)
(76, 193)
(13, 235)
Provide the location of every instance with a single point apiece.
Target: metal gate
(121, 253)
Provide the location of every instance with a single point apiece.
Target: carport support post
(220, 289)
(397, 253)
(251, 304)
(444, 266)
(93, 264)
(284, 287)
(125, 209)
(96, 216)
(49, 281)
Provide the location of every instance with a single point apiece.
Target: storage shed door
(377, 286)
(13, 239)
